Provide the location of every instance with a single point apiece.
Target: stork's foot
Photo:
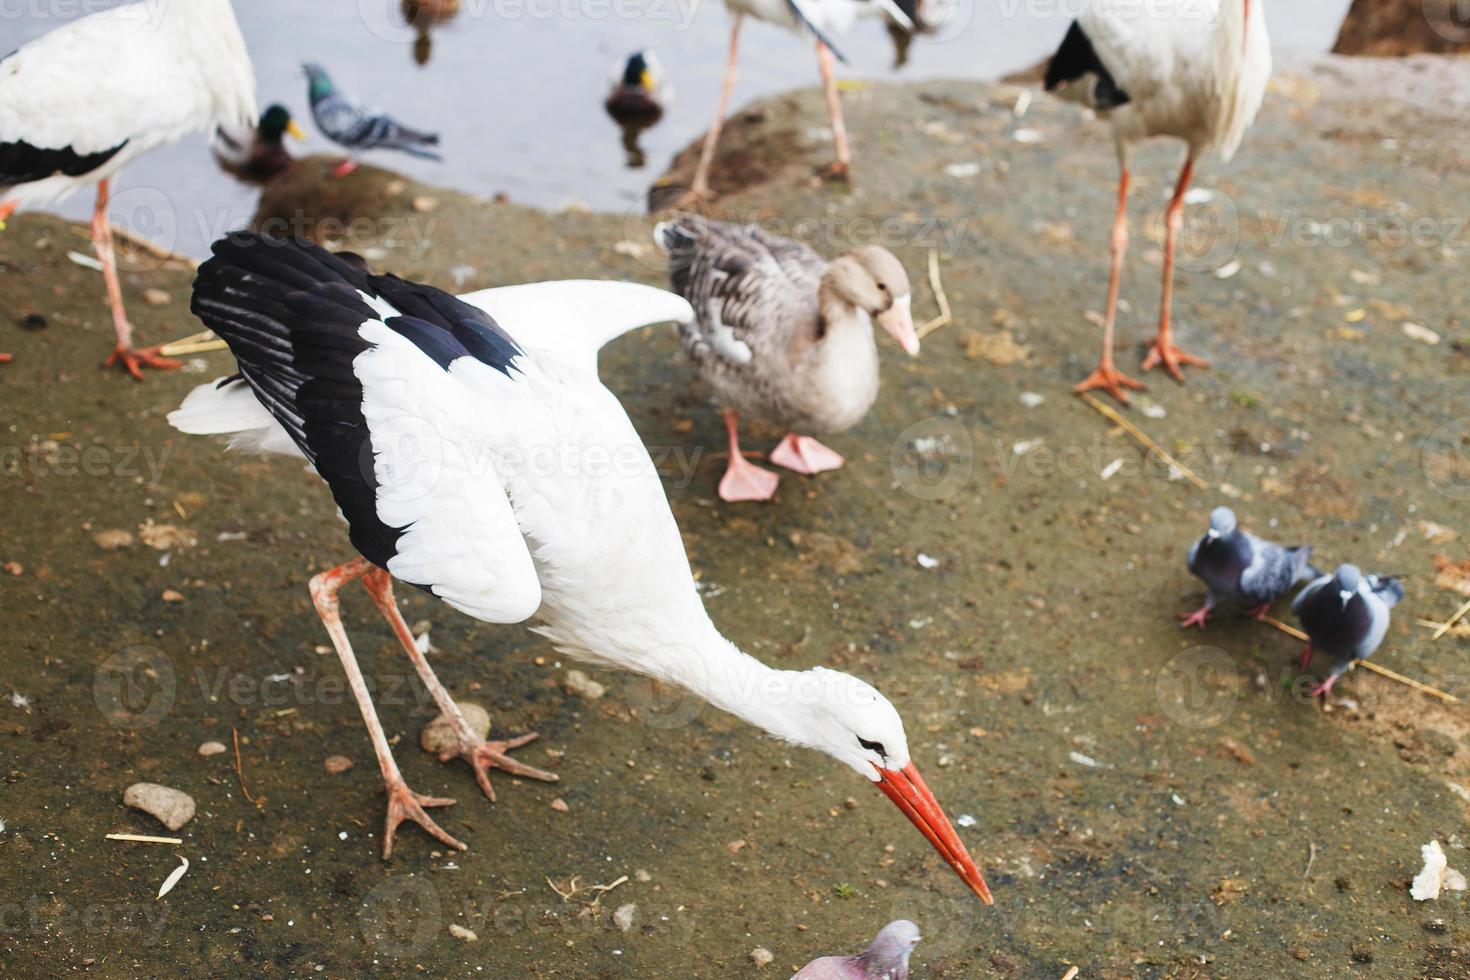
(803, 454)
(344, 168)
(405, 804)
(6, 358)
(745, 481)
(1163, 351)
(134, 361)
(836, 172)
(484, 756)
(1110, 379)
(1196, 618)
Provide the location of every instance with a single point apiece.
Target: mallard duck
(639, 95)
(784, 335)
(257, 154)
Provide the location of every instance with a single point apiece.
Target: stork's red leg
(699, 190)
(1163, 351)
(482, 755)
(803, 454)
(132, 361)
(1107, 376)
(6, 210)
(743, 480)
(403, 803)
(841, 168)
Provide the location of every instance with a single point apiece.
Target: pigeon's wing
(1192, 561)
(1272, 571)
(1305, 596)
(743, 284)
(343, 120)
(1387, 588)
(831, 968)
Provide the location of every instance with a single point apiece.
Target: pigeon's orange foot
(1162, 351)
(1111, 380)
(837, 171)
(1196, 618)
(405, 804)
(484, 756)
(803, 454)
(134, 361)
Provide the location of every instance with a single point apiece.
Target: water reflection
(423, 16)
(640, 90)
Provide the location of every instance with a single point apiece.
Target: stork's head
(870, 278)
(849, 720)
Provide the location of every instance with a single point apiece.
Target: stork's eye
(873, 747)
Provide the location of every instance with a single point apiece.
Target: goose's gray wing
(746, 287)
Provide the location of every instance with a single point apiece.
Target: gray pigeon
(358, 127)
(1242, 571)
(1346, 616)
(886, 959)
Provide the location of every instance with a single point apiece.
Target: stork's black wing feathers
(1077, 58)
(22, 163)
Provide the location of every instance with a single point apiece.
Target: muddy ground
(1145, 802)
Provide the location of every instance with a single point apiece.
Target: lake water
(515, 87)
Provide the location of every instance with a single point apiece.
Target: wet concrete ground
(1146, 803)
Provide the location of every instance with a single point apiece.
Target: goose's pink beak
(898, 320)
(905, 787)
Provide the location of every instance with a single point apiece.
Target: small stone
(583, 686)
(172, 595)
(641, 875)
(623, 917)
(114, 539)
(761, 956)
(460, 932)
(336, 764)
(14, 568)
(560, 805)
(425, 204)
(735, 846)
(172, 807)
(439, 736)
(156, 297)
(211, 748)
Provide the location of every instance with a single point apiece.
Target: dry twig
(1141, 436)
(1392, 675)
(935, 283)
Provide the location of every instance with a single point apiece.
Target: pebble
(114, 539)
(560, 805)
(156, 297)
(460, 932)
(583, 686)
(623, 917)
(336, 764)
(172, 595)
(172, 807)
(761, 956)
(211, 748)
(14, 568)
(438, 735)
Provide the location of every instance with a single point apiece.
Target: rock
(761, 956)
(560, 805)
(336, 764)
(583, 686)
(114, 539)
(211, 748)
(623, 917)
(460, 932)
(166, 537)
(439, 737)
(156, 297)
(172, 595)
(14, 568)
(172, 807)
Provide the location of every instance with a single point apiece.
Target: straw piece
(1142, 437)
(145, 839)
(1368, 664)
(935, 283)
(1445, 627)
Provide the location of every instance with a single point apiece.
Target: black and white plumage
(474, 453)
(1194, 70)
(358, 127)
(81, 102)
(784, 335)
(1346, 616)
(1241, 571)
(886, 959)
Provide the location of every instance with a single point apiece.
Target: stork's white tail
(1243, 53)
(222, 408)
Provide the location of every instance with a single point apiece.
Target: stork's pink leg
(1163, 351)
(803, 454)
(743, 480)
(403, 803)
(699, 191)
(841, 169)
(131, 360)
(6, 210)
(1107, 376)
(479, 753)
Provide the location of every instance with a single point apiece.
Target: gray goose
(784, 335)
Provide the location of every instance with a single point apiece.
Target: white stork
(488, 465)
(79, 103)
(1195, 70)
(821, 19)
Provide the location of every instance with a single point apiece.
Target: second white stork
(475, 454)
(79, 103)
(820, 19)
(1195, 70)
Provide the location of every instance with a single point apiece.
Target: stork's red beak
(905, 787)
